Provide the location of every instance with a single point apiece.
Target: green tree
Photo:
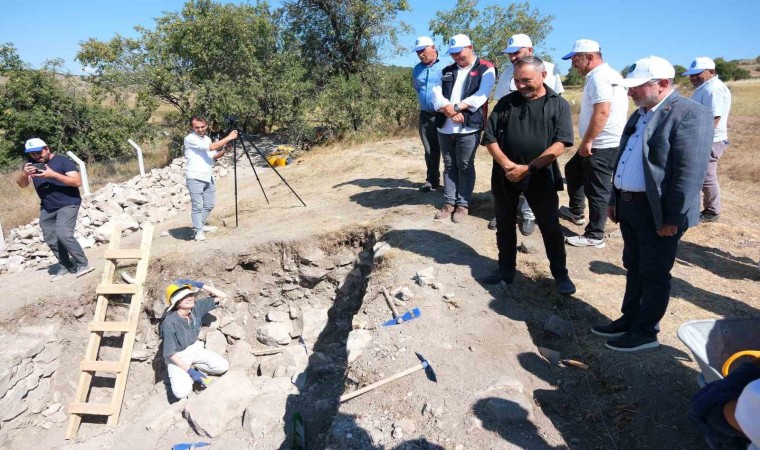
(344, 36)
(60, 110)
(573, 78)
(730, 70)
(490, 28)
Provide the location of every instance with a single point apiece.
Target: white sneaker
(583, 241)
(199, 236)
(209, 229)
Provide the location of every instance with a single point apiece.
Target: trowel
(399, 318)
(553, 357)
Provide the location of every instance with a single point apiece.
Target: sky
(626, 30)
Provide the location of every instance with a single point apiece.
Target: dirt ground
(493, 389)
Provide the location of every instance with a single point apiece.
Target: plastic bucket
(712, 342)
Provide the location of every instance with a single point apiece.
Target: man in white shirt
(200, 154)
(461, 101)
(518, 46)
(714, 94)
(604, 106)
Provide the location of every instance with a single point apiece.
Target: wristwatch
(456, 107)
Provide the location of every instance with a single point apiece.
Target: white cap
(583, 46)
(646, 69)
(517, 42)
(422, 42)
(457, 43)
(699, 65)
(34, 145)
(748, 410)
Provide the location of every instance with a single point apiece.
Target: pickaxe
(397, 319)
(424, 364)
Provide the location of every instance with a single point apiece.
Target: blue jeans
(458, 166)
(202, 199)
(58, 233)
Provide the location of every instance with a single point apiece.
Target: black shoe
(496, 277)
(527, 226)
(427, 187)
(492, 224)
(706, 216)
(616, 329)
(565, 286)
(632, 341)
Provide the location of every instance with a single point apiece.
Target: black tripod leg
(234, 171)
(245, 150)
(275, 171)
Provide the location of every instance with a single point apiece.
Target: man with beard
(525, 134)
(664, 152)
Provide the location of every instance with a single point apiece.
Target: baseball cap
(517, 42)
(422, 42)
(646, 69)
(583, 46)
(34, 145)
(457, 43)
(747, 411)
(700, 64)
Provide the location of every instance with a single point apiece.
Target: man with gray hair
(525, 134)
(658, 174)
(714, 94)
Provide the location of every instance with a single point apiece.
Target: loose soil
(493, 389)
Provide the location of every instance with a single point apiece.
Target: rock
(271, 364)
(278, 316)
(19, 347)
(221, 403)
(296, 359)
(405, 424)
(216, 342)
(314, 322)
(234, 331)
(615, 234)
(313, 257)
(274, 333)
(311, 276)
(356, 343)
(264, 416)
(52, 409)
(139, 354)
(424, 277)
(86, 242)
(47, 333)
(513, 409)
(403, 293)
(359, 322)
(344, 258)
(241, 357)
(78, 312)
(12, 404)
(558, 326)
(380, 249)
(398, 433)
(167, 416)
(528, 247)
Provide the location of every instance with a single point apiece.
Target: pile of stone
(152, 198)
(28, 360)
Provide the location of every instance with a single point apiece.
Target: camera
(39, 167)
(230, 123)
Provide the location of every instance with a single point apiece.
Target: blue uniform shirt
(423, 79)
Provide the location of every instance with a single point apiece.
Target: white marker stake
(83, 171)
(139, 156)
(2, 238)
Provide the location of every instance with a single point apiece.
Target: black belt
(429, 113)
(633, 196)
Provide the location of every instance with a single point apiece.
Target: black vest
(475, 119)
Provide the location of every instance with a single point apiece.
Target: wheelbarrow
(714, 342)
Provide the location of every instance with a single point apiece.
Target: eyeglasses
(35, 153)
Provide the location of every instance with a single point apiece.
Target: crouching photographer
(56, 180)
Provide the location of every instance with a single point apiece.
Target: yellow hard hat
(176, 292)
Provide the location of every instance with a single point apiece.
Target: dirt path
(494, 391)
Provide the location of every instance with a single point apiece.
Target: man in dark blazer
(656, 197)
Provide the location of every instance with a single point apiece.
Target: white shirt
(629, 175)
(506, 82)
(714, 94)
(748, 413)
(601, 86)
(475, 101)
(200, 160)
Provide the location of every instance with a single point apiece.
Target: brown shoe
(445, 212)
(459, 214)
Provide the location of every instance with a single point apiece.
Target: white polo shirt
(200, 160)
(506, 83)
(475, 101)
(602, 85)
(714, 94)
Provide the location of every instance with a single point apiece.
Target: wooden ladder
(90, 364)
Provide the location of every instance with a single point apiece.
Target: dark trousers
(542, 198)
(58, 232)
(591, 177)
(648, 259)
(429, 138)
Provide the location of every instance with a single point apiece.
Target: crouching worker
(186, 359)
